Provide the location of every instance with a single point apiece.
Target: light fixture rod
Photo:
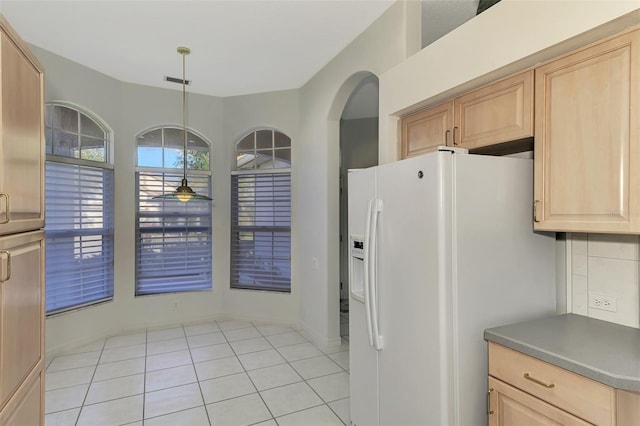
(184, 51)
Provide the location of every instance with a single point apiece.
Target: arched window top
(163, 147)
(263, 149)
(75, 133)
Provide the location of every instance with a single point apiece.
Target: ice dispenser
(356, 267)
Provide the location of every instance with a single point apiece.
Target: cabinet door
(426, 129)
(21, 309)
(586, 139)
(28, 407)
(509, 406)
(21, 137)
(500, 112)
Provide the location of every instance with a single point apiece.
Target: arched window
(79, 208)
(173, 239)
(261, 212)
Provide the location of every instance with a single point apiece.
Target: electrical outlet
(605, 303)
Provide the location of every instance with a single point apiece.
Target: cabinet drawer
(510, 406)
(571, 392)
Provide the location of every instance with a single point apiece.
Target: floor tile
(316, 416)
(271, 377)
(289, 399)
(164, 346)
(286, 339)
(164, 334)
(168, 360)
(206, 340)
(342, 359)
(62, 418)
(242, 411)
(125, 352)
(269, 329)
(254, 360)
(64, 399)
(267, 423)
(250, 345)
(207, 353)
(344, 346)
(98, 345)
(203, 328)
(67, 378)
(218, 368)
(342, 408)
(125, 340)
(170, 377)
(112, 370)
(310, 368)
(116, 412)
(227, 387)
(226, 325)
(67, 362)
(191, 417)
(300, 351)
(332, 387)
(121, 387)
(172, 400)
(241, 334)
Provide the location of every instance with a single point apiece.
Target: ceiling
(238, 46)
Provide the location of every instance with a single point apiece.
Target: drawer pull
(6, 208)
(7, 276)
(537, 381)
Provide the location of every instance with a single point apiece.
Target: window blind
(79, 235)
(174, 247)
(261, 231)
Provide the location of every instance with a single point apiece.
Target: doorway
(358, 149)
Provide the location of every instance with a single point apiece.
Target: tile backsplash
(605, 267)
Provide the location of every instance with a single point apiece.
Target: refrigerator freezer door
(363, 358)
(413, 236)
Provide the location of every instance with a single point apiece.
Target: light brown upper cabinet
(493, 114)
(21, 135)
(587, 139)
(426, 129)
(499, 112)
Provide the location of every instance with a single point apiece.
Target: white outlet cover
(603, 302)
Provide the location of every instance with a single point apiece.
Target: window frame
(175, 173)
(108, 230)
(236, 228)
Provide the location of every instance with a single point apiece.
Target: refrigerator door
(414, 234)
(363, 358)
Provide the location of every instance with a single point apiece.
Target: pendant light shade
(184, 192)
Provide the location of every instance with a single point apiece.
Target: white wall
(388, 41)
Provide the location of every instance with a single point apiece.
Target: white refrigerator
(442, 247)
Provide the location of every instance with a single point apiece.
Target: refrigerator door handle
(373, 273)
(366, 277)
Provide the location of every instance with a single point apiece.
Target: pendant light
(184, 192)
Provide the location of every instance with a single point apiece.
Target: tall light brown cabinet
(21, 237)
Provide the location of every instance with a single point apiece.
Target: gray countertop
(606, 352)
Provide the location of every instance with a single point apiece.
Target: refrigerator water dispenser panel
(356, 267)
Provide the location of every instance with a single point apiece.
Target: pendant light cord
(184, 116)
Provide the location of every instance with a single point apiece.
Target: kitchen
(432, 74)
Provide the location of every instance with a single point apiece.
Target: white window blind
(174, 246)
(261, 231)
(79, 235)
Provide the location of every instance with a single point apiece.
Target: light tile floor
(225, 372)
